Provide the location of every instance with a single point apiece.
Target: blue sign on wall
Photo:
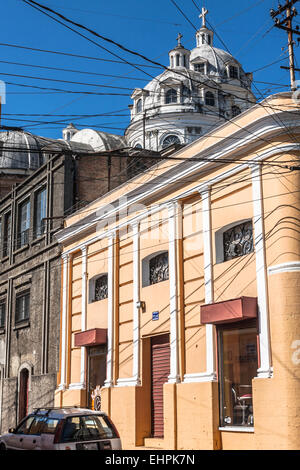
(155, 315)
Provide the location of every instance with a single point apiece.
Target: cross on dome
(203, 15)
(179, 38)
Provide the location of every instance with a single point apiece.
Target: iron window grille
(159, 268)
(101, 288)
(238, 241)
(22, 307)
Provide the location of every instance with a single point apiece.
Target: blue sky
(149, 28)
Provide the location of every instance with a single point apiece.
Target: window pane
(238, 241)
(36, 426)
(22, 307)
(24, 224)
(2, 314)
(50, 426)
(7, 234)
(237, 367)
(40, 212)
(101, 288)
(71, 430)
(24, 427)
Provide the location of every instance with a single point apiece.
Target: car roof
(65, 412)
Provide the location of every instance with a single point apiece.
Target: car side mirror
(11, 430)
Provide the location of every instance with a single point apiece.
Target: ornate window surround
(219, 246)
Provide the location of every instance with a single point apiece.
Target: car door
(15, 439)
(32, 438)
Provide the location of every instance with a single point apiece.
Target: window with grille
(200, 67)
(159, 268)
(22, 306)
(238, 241)
(101, 288)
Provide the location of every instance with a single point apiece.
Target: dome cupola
(179, 56)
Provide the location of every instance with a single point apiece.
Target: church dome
(20, 150)
(200, 90)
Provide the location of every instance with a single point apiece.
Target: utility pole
(286, 25)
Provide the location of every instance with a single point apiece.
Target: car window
(36, 426)
(50, 425)
(25, 425)
(71, 430)
(104, 427)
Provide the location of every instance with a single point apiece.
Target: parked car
(63, 429)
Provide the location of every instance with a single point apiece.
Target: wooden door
(160, 370)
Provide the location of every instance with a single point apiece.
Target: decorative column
(208, 281)
(83, 313)
(265, 369)
(64, 325)
(136, 308)
(110, 320)
(173, 209)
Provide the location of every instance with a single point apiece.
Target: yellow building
(180, 293)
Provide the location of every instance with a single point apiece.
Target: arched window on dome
(170, 140)
(235, 111)
(139, 106)
(177, 60)
(171, 96)
(233, 72)
(209, 98)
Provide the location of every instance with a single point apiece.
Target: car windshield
(86, 428)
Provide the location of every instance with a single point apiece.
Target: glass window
(233, 72)
(2, 313)
(37, 425)
(101, 288)
(209, 98)
(86, 428)
(139, 106)
(22, 306)
(50, 425)
(24, 224)
(159, 268)
(237, 348)
(171, 96)
(199, 68)
(170, 140)
(40, 212)
(25, 425)
(6, 234)
(238, 241)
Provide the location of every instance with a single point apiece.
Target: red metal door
(160, 370)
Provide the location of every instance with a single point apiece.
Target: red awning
(93, 337)
(229, 311)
